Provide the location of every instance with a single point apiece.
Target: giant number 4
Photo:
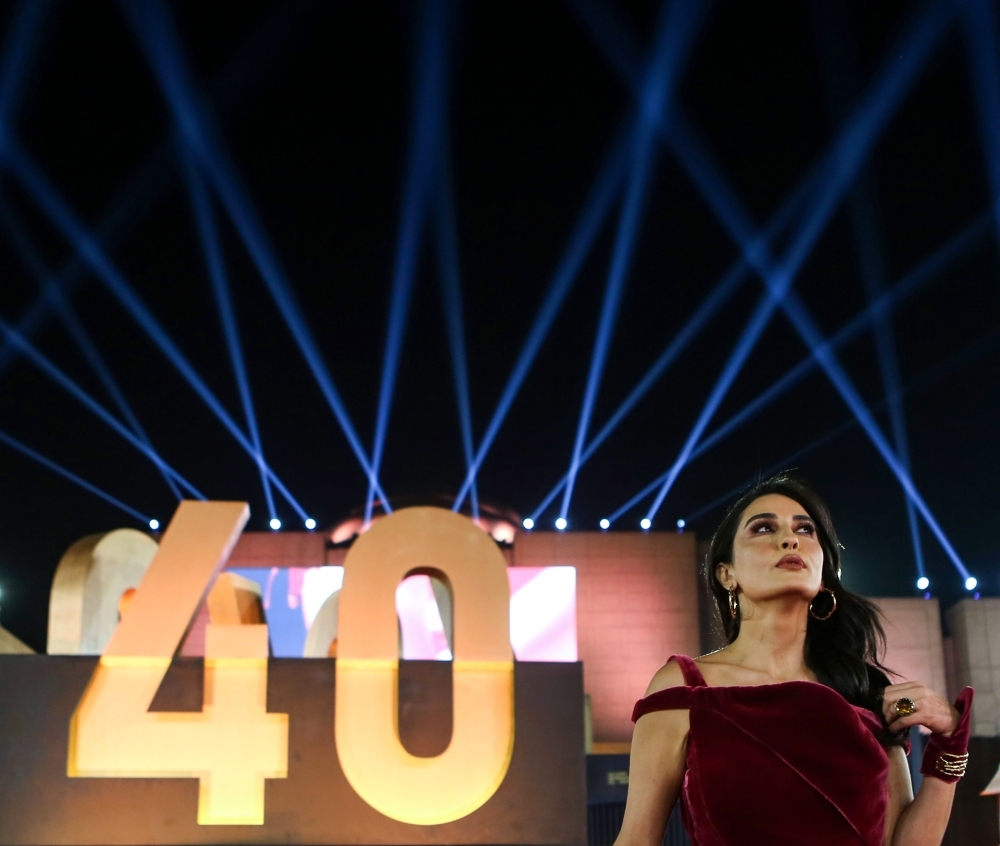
(233, 744)
(425, 791)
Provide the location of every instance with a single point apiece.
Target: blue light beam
(154, 28)
(151, 177)
(676, 32)
(30, 352)
(427, 120)
(610, 36)
(446, 239)
(777, 283)
(692, 327)
(838, 65)
(18, 52)
(90, 250)
(30, 257)
(591, 220)
(208, 234)
(843, 163)
(938, 371)
(979, 18)
(36, 456)
(909, 285)
(866, 229)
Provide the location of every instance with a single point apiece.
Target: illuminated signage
(400, 785)
(234, 744)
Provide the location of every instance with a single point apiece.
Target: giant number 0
(461, 779)
(233, 744)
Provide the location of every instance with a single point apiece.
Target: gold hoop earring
(734, 605)
(829, 613)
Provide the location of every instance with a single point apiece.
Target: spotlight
(971, 582)
(923, 583)
(528, 523)
(605, 523)
(310, 523)
(275, 523)
(561, 524)
(645, 523)
(154, 524)
(681, 524)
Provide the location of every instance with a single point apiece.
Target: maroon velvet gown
(777, 764)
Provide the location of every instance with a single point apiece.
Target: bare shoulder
(669, 675)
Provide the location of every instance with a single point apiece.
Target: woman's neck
(772, 641)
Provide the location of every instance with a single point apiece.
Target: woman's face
(776, 551)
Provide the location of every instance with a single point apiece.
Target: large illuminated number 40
(233, 744)
(424, 791)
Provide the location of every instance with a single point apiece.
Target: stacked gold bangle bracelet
(952, 765)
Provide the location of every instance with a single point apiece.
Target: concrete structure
(915, 647)
(639, 600)
(636, 604)
(88, 586)
(975, 658)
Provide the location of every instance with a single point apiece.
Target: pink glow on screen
(543, 613)
(420, 621)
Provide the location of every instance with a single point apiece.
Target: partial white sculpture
(321, 639)
(12, 645)
(88, 586)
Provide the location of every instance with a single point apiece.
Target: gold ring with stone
(904, 706)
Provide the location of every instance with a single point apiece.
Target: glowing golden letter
(425, 791)
(233, 744)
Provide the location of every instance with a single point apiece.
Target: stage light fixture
(645, 523)
(528, 523)
(154, 524)
(605, 523)
(971, 583)
(923, 583)
(561, 524)
(310, 523)
(275, 523)
(681, 524)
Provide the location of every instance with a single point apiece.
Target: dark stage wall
(541, 801)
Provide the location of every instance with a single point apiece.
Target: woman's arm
(656, 767)
(920, 821)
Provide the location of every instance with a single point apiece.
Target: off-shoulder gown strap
(673, 698)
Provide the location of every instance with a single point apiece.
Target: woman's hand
(930, 710)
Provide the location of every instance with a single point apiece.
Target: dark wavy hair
(845, 651)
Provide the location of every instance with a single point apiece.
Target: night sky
(313, 104)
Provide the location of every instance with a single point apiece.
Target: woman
(792, 733)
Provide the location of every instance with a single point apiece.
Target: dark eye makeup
(760, 527)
